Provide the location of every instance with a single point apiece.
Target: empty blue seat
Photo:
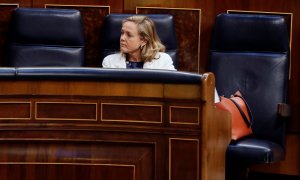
(46, 37)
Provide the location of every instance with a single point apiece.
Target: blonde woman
(140, 47)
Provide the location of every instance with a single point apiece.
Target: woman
(140, 47)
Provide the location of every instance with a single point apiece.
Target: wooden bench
(93, 123)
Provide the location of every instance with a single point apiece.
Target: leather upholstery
(7, 73)
(46, 37)
(108, 74)
(256, 151)
(100, 74)
(250, 53)
(165, 28)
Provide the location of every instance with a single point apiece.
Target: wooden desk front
(111, 130)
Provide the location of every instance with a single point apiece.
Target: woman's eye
(128, 34)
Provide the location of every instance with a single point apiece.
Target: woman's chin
(123, 50)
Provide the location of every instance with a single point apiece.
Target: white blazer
(163, 61)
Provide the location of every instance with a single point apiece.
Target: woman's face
(130, 40)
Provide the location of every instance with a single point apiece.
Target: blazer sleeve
(167, 62)
(163, 62)
(105, 62)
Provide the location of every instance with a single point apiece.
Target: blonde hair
(147, 32)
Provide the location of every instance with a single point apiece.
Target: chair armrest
(284, 110)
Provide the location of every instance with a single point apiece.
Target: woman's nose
(122, 37)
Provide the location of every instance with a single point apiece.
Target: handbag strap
(248, 122)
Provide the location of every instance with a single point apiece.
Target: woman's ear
(144, 42)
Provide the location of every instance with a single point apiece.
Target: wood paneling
(184, 166)
(133, 139)
(73, 160)
(41, 3)
(116, 5)
(190, 117)
(21, 110)
(5, 14)
(129, 112)
(129, 5)
(71, 111)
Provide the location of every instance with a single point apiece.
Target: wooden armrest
(284, 110)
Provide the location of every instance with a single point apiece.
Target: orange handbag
(241, 115)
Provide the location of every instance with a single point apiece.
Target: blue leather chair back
(165, 28)
(250, 53)
(46, 37)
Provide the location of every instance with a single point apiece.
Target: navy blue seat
(165, 27)
(46, 37)
(250, 53)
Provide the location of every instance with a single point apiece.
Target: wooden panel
(130, 5)
(38, 171)
(180, 91)
(66, 111)
(184, 115)
(15, 110)
(146, 113)
(46, 149)
(84, 88)
(41, 3)
(93, 17)
(46, 87)
(5, 14)
(189, 43)
(116, 5)
(184, 159)
(69, 160)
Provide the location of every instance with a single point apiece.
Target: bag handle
(248, 122)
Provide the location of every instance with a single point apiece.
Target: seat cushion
(38, 56)
(253, 150)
